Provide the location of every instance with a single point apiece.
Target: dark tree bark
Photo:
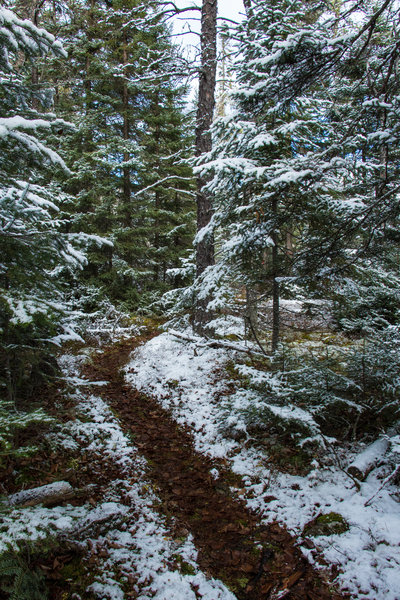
(251, 312)
(126, 171)
(35, 72)
(205, 109)
(31, 9)
(275, 286)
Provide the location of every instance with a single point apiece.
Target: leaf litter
(180, 523)
(365, 560)
(254, 560)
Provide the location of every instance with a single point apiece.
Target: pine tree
(256, 206)
(305, 159)
(130, 121)
(33, 248)
(349, 145)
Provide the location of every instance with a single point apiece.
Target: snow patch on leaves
(38, 523)
(180, 377)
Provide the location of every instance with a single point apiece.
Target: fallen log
(212, 343)
(53, 493)
(369, 458)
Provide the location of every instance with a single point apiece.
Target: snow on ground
(182, 377)
(179, 376)
(137, 552)
(142, 550)
(297, 313)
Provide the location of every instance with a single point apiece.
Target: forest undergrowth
(201, 472)
(67, 548)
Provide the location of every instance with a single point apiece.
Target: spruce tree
(33, 248)
(306, 158)
(255, 185)
(124, 95)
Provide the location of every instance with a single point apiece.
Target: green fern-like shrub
(19, 579)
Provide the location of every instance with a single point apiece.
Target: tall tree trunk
(125, 133)
(157, 244)
(157, 197)
(205, 108)
(275, 285)
(30, 9)
(35, 70)
(221, 102)
(87, 81)
(251, 312)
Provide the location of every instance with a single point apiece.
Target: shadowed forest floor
(160, 512)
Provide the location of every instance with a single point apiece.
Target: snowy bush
(375, 369)
(311, 393)
(371, 302)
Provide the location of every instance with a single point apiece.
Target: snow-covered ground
(136, 553)
(182, 376)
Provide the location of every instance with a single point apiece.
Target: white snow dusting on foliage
(14, 128)
(137, 551)
(185, 377)
(17, 32)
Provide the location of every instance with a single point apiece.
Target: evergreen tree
(349, 146)
(124, 94)
(255, 184)
(33, 248)
(305, 159)
(307, 170)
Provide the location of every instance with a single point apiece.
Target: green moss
(330, 518)
(236, 584)
(150, 323)
(74, 571)
(196, 516)
(76, 578)
(233, 374)
(242, 522)
(172, 383)
(73, 464)
(328, 524)
(183, 566)
(232, 337)
(242, 582)
(256, 550)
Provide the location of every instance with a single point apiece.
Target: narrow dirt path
(256, 562)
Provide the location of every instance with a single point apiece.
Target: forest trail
(255, 561)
